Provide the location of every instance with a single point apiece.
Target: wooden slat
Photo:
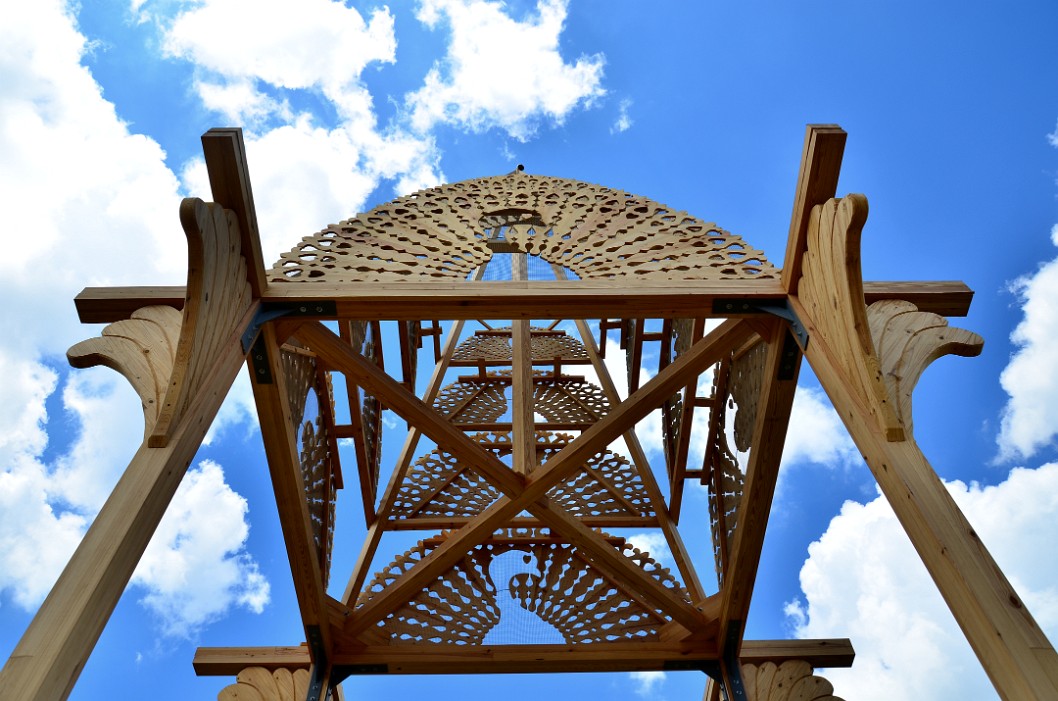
(639, 459)
(442, 659)
(100, 305)
(437, 523)
(817, 182)
(229, 179)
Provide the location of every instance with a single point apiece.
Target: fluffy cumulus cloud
(204, 530)
(87, 202)
(863, 580)
(255, 63)
(1031, 377)
(816, 433)
(502, 72)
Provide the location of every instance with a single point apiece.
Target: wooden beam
(229, 179)
(518, 493)
(586, 299)
(817, 182)
(47, 660)
(443, 659)
(284, 465)
(774, 403)
(569, 459)
(1015, 653)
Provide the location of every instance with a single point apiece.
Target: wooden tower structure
(520, 466)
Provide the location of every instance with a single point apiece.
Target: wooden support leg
(51, 654)
(868, 361)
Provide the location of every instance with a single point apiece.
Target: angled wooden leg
(868, 362)
(48, 659)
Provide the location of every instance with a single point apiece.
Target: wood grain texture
(218, 295)
(817, 182)
(262, 684)
(868, 363)
(445, 232)
(141, 348)
(907, 341)
(534, 300)
(831, 292)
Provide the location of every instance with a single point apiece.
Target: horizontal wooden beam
(452, 659)
(584, 299)
(436, 523)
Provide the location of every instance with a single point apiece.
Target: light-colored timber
(868, 363)
(519, 456)
(208, 354)
(585, 299)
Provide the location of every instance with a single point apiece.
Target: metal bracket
(736, 690)
(319, 665)
(275, 310)
(775, 307)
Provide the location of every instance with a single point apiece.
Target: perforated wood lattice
(594, 231)
(560, 587)
(725, 477)
(307, 390)
(488, 348)
(473, 402)
(569, 402)
(437, 485)
(495, 347)
(744, 385)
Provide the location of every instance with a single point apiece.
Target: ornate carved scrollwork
(596, 232)
(561, 587)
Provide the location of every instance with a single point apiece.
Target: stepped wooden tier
(520, 465)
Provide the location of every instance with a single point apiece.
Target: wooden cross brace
(524, 493)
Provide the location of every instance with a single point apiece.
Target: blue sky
(951, 110)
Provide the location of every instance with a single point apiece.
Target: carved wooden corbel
(165, 354)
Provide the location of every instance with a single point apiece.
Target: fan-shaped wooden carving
(564, 591)
(594, 231)
(790, 681)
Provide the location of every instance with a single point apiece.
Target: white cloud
(204, 530)
(654, 544)
(501, 72)
(1031, 377)
(323, 45)
(624, 120)
(816, 433)
(647, 682)
(308, 170)
(863, 580)
(92, 204)
(306, 177)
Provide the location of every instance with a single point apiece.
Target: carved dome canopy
(448, 231)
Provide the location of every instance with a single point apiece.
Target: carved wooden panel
(437, 485)
(570, 402)
(792, 680)
(724, 475)
(562, 591)
(487, 348)
(316, 452)
(260, 684)
(594, 231)
(473, 402)
(743, 386)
